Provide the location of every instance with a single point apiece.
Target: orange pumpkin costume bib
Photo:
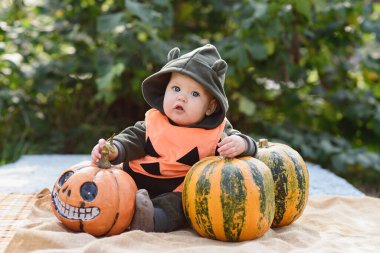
(172, 150)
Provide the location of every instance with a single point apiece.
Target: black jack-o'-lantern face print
(189, 159)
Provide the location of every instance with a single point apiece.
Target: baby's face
(186, 102)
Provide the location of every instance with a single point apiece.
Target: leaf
(328, 148)
(261, 9)
(270, 46)
(303, 7)
(340, 162)
(108, 23)
(246, 106)
(143, 12)
(185, 12)
(239, 54)
(319, 5)
(258, 50)
(376, 124)
(105, 83)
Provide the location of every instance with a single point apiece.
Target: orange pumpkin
(89, 198)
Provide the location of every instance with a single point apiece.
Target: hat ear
(173, 54)
(220, 67)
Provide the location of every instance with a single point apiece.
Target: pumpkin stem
(263, 143)
(108, 148)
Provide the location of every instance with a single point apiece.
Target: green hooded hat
(205, 66)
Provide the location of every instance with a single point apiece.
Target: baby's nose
(181, 98)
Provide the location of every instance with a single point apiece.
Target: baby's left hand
(232, 146)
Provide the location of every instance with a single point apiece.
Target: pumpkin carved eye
(88, 191)
(64, 178)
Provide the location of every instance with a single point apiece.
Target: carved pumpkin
(96, 199)
(291, 180)
(229, 199)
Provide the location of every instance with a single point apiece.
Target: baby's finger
(101, 143)
(224, 141)
(228, 153)
(223, 149)
(94, 156)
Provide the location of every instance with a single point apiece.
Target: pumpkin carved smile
(71, 212)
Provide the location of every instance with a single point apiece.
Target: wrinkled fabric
(328, 224)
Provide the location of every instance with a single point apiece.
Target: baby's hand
(97, 150)
(232, 146)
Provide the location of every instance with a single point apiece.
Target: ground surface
(33, 173)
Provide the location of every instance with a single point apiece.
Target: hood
(204, 65)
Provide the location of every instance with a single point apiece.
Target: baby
(187, 122)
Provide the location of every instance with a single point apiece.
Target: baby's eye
(176, 88)
(195, 94)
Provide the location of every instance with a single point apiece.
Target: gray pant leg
(168, 212)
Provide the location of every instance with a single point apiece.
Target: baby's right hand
(97, 150)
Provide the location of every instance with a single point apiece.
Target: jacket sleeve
(251, 144)
(130, 143)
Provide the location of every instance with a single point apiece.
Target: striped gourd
(291, 180)
(229, 199)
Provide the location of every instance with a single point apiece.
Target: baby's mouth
(179, 108)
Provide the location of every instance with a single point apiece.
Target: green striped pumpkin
(229, 199)
(291, 180)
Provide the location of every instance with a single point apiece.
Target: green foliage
(301, 72)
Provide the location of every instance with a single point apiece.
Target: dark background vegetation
(305, 73)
